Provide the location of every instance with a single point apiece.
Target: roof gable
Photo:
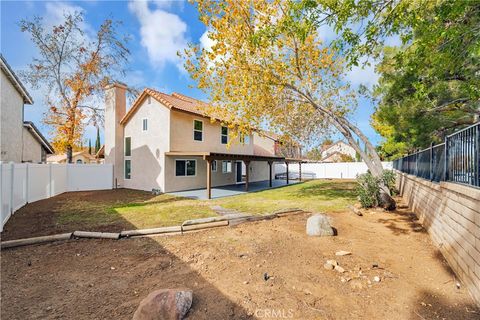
(174, 101)
(17, 84)
(38, 136)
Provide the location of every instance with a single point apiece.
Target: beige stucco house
(20, 141)
(336, 152)
(78, 157)
(165, 142)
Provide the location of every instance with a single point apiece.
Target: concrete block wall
(451, 214)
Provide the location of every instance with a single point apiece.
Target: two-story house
(20, 141)
(166, 142)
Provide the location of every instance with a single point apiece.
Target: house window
(128, 146)
(224, 135)
(244, 138)
(197, 130)
(128, 169)
(226, 166)
(79, 161)
(185, 168)
(145, 124)
(214, 165)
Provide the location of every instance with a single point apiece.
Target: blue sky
(157, 28)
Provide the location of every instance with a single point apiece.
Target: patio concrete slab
(231, 190)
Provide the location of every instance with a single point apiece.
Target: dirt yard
(225, 267)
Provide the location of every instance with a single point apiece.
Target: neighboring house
(35, 146)
(337, 151)
(20, 141)
(79, 157)
(166, 142)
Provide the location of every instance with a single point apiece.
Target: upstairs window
(224, 135)
(128, 146)
(185, 168)
(244, 138)
(197, 130)
(145, 124)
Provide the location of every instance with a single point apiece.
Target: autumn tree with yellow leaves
(268, 65)
(73, 67)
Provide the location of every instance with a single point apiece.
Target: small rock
(245, 282)
(332, 262)
(375, 265)
(307, 292)
(376, 279)
(458, 285)
(318, 225)
(343, 253)
(339, 269)
(164, 304)
(112, 268)
(266, 276)
(328, 266)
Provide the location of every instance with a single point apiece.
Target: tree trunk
(369, 156)
(69, 154)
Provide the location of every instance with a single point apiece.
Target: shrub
(368, 190)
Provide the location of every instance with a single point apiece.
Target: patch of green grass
(138, 210)
(315, 195)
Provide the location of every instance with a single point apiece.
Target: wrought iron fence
(455, 160)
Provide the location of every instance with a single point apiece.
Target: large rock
(165, 304)
(318, 225)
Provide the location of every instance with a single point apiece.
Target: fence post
(446, 159)
(476, 151)
(1, 196)
(27, 181)
(431, 161)
(12, 167)
(50, 180)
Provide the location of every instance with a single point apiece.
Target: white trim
(202, 131)
(185, 176)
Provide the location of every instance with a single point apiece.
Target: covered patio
(231, 190)
(247, 186)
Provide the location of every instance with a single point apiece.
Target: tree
(429, 84)
(268, 62)
(74, 68)
(357, 155)
(97, 141)
(89, 146)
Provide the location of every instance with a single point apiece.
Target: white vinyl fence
(21, 183)
(337, 170)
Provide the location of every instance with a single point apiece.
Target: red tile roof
(180, 102)
(174, 101)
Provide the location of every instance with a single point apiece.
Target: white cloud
(365, 75)
(206, 42)
(162, 33)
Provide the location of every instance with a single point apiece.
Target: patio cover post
(209, 179)
(247, 165)
(286, 162)
(270, 173)
(300, 171)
